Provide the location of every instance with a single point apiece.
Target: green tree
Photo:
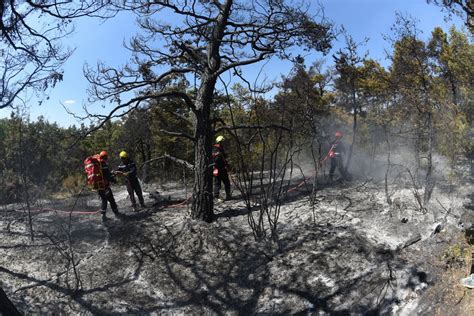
(412, 75)
(452, 56)
(306, 97)
(348, 62)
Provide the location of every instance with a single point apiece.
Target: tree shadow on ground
(222, 273)
(211, 268)
(362, 272)
(214, 276)
(76, 296)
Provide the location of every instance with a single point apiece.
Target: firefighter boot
(116, 212)
(331, 179)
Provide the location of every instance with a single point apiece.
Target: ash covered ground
(341, 250)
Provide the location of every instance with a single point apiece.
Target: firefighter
(219, 160)
(335, 154)
(128, 169)
(105, 193)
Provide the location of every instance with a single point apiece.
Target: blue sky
(94, 40)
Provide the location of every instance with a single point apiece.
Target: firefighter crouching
(128, 169)
(99, 178)
(336, 152)
(219, 160)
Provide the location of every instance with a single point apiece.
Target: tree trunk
(6, 306)
(354, 128)
(429, 183)
(418, 144)
(24, 179)
(389, 163)
(203, 203)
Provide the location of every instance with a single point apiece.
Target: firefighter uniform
(220, 169)
(336, 157)
(105, 193)
(129, 169)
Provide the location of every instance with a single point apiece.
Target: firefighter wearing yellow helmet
(128, 169)
(220, 173)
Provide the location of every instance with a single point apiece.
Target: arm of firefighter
(109, 175)
(121, 170)
(132, 170)
(117, 172)
(328, 154)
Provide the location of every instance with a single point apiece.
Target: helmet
(103, 154)
(219, 138)
(339, 134)
(123, 154)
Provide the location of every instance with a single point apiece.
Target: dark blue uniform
(129, 167)
(106, 194)
(220, 164)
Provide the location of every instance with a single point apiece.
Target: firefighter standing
(336, 152)
(105, 193)
(128, 169)
(220, 168)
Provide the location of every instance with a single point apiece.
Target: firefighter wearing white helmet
(128, 169)
(220, 173)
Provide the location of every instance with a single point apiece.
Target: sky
(95, 40)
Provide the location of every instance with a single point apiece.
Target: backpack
(95, 178)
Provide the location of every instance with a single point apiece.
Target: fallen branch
(409, 242)
(259, 127)
(174, 159)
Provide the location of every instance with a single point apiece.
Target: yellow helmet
(219, 138)
(123, 154)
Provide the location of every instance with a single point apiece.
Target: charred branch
(174, 159)
(178, 134)
(258, 127)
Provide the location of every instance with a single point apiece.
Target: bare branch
(269, 126)
(178, 134)
(174, 159)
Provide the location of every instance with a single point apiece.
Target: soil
(342, 250)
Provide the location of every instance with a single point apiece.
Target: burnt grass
(348, 252)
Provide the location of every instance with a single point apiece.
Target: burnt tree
(204, 40)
